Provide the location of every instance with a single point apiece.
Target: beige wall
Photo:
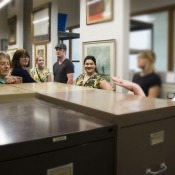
(3, 24)
(72, 8)
(117, 29)
(141, 5)
(37, 3)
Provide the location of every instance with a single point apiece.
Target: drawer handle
(148, 171)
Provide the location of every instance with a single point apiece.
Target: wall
(142, 5)
(117, 29)
(58, 6)
(17, 9)
(51, 57)
(72, 9)
(28, 6)
(37, 3)
(3, 24)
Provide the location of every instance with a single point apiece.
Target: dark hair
(17, 55)
(90, 57)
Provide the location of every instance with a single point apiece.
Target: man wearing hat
(63, 69)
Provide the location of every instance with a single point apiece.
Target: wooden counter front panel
(136, 155)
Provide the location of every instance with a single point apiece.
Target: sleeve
(70, 68)
(101, 78)
(155, 81)
(79, 80)
(32, 72)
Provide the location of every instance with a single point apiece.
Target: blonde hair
(39, 57)
(150, 55)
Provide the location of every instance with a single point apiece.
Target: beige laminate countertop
(11, 93)
(123, 109)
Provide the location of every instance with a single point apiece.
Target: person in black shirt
(63, 69)
(148, 80)
(20, 62)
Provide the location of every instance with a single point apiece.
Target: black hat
(62, 46)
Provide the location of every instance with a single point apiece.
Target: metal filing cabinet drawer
(40, 138)
(88, 159)
(140, 151)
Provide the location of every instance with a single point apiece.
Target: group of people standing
(63, 72)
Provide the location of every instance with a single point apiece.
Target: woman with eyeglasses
(20, 62)
(41, 73)
(92, 78)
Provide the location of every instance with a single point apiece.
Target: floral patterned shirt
(43, 76)
(93, 82)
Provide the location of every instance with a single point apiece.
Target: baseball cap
(62, 46)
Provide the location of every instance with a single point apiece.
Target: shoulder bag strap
(38, 75)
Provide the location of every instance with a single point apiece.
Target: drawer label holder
(157, 138)
(58, 139)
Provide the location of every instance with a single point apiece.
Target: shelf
(139, 25)
(67, 35)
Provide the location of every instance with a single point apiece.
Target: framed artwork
(40, 49)
(104, 52)
(99, 11)
(4, 44)
(11, 52)
(12, 30)
(41, 23)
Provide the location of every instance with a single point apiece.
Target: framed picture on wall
(40, 49)
(12, 30)
(99, 11)
(4, 44)
(104, 53)
(11, 52)
(41, 23)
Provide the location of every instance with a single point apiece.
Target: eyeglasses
(23, 57)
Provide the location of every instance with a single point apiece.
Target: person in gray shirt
(63, 69)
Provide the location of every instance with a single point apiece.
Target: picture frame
(41, 24)
(11, 52)
(99, 11)
(40, 49)
(104, 52)
(12, 30)
(4, 45)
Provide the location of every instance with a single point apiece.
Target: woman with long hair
(20, 62)
(147, 79)
(41, 73)
(92, 78)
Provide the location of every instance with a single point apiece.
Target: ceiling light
(3, 3)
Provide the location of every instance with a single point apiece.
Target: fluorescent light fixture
(44, 19)
(93, 2)
(3, 3)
